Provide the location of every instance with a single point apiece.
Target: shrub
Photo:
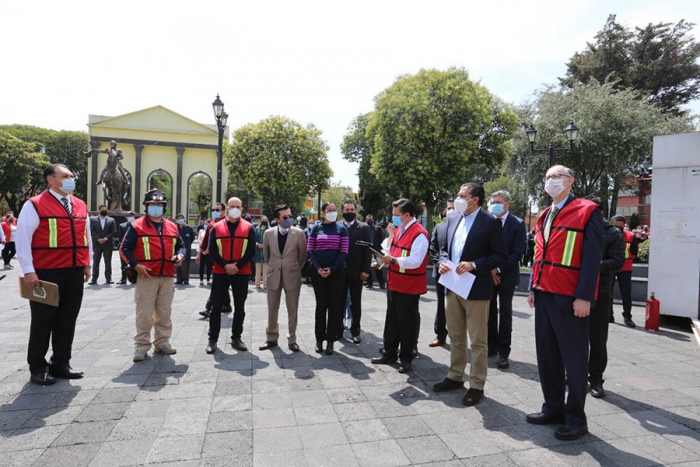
(643, 253)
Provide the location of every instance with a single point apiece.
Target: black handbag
(131, 274)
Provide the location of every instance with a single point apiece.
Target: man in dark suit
(376, 237)
(474, 245)
(187, 236)
(121, 231)
(102, 229)
(357, 265)
(505, 278)
(563, 286)
(436, 242)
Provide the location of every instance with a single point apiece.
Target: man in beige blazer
(284, 248)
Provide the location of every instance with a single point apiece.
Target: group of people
(8, 229)
(576, 255)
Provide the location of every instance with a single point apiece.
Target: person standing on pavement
(153, 248)
(408, 243)
(613, 260)
(9, 228)
(505, 278)
(187, 236)
(474, 245)
(231, 247)
(327, 249)
(121, 232)
(284, 250)
(102, 229)
(53, 245)
(259, 258)
(436, 242)
(376, 236)
(563, 286)
(624, 275)
(219, 213)
(357, 265)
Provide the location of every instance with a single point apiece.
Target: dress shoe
(121, 282)
(503, 363)
(92, 283)
(65, 373)
(570, 433)
(597, 390)
(405, 367)
(109, 282)
(384, 360)
(294, 347)
(319, 347)
(493, 353)
(329, 348)
(629, 323)
(205, 313)
(178, 282)
(544, 418)
(381, 286)
(356, 339)
(447, 385)
(42, 377)
(472, 397)
(238, 344)
(211, 347)
(268, 345)
(368, 286)
(436, 342)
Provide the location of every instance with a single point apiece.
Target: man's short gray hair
(505, 194)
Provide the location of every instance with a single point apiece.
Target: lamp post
(571, 135)
(221, 118)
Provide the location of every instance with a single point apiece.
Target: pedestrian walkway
(278, 408)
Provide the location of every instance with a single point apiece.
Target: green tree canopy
(280, 161)
(659, 60)
(435, 130)
(21, 168)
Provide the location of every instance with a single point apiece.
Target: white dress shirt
(419, 248)
(27, 223)
(460, 237)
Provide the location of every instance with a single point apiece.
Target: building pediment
(153, 119)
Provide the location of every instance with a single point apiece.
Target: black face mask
(349, 216)
(370, 222)
(103, 213)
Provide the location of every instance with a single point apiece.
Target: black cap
(155, 196)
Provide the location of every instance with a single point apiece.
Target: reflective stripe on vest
(627, 250)
(53, 233)
(218, 245)
(569, 248)
(404, 253)
(146, 247)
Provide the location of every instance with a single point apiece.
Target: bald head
(558, 182)
(234, 208)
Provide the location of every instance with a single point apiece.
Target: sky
(319, 62)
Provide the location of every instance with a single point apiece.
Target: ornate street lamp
(571, 132)
(221, 118)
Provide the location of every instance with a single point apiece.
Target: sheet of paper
(461, 284)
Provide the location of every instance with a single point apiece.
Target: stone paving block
(15, 419)
(130, 429)
(122, 453)
(176, 448)
(391, 408)
(664, 449)
(624, 453)
(355, 411)
(327, 434)
(230, 421)
(53, 416)
(309, 398)
(272, 400)
(232, 403)
(148, 409)
(79, 455)
(273, 418)
(287, 458)
(407, 427)
(30, 438)
(315, 415)
(624, 425)
(99, 412)
(362, 431)
(536, 458)
(331, 456)
(424, 449)
(270, 439)
(237, 446)
(27, 402)
(489, 460)
(21, 458)
(385, 453)
(446, 422)
(184, 423)
(469, 443)
(88, 432)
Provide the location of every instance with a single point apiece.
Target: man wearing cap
(121, 231)
(153, 248)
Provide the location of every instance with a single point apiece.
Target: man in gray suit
(102, 229)
(284, 249)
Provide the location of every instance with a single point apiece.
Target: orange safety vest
(558, 263)
(628, 237)
(155, 250)
(60, 233)
(232, 248)
(408, 281)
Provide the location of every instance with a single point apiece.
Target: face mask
(286, 223)
(68, 185)
(155, 210)
(331, 216)
(370, 222)
(554, 187)
(181, 221)
(215, 214)
(497, 209)
(103, 213)
(396, 220)
(234, 212)
(461, 205)
(349, 216)
(452, 212)
(263, 225)
(130, 219)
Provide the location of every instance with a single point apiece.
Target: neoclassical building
(162, 149)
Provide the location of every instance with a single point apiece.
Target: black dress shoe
(503, 363)
(447, 385)
(294, 347)
(405, 367)
(178, 282)
(381, 286)
(329, 348)
(570, 433)
(211, 347)
(384, 360)
(205, 313)
(472, 397)
(109, 282)
(238, 344)
(121, 282)
(629, 323)
(42, 377)
(597, 390)
(356, 339)
(92, 283)
(319, 347)
(268, 345)
(65, 373)
(543, 418)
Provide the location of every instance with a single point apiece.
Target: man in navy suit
(436, 241)
(505, 278)
(563, 286)
(475, 244)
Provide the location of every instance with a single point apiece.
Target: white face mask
(461, 205)
(554, 187)
(331, 216)
(234, 213)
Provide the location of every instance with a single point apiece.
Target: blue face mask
(181, 221)
(155, 210)
(68, 185)
(396, 220)
(286, 223)
(497, 209)
(130, 219)
(215, 214)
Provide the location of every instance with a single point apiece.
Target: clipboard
(368, 245)
(48, 294)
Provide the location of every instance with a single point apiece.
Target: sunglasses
(286, 217)
(216, 210)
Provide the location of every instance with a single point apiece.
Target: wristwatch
(473, 265)
(393, 260)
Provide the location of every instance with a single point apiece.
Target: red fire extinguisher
(651, 323)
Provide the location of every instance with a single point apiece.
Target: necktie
(66, 205)
(550, 220)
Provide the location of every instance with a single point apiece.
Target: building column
(136, 200)
(180, 153)
(94, 146)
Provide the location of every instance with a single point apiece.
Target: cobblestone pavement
(278, 408)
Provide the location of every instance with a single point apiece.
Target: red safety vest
(61, 240)
(232, 248)
(7, 229)
(628, 237)
(407, 281)
(557, 265)
(155, 250)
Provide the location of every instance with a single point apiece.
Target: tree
(200, 194)
(280, 161)
(336, 194)
(660, 61)
(519, 202)
(21, 166)
(430, 130)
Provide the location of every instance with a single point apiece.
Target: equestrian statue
(115, 180)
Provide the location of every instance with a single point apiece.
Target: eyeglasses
(216, 210)
(286, 217)
(555, 177)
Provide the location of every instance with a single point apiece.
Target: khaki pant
(468, 317)
(260, 274)
(291, 298)
(154, 300)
